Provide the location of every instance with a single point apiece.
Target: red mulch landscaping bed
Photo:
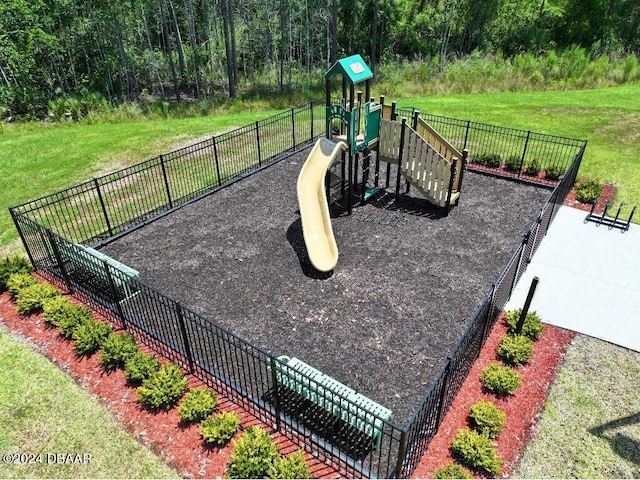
(182, 448)
(522, 408)
(178, 445)
(608, 194)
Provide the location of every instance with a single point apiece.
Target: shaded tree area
(215, 48)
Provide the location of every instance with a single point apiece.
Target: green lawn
(609, 118)
(39, 159)
(590, 426)
(43, 411)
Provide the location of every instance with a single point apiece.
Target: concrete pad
(589, 279)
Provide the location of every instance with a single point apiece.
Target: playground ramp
(314, 209)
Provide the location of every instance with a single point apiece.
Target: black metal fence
(351, 439)
(551, 154)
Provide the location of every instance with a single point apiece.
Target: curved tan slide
(314, 210)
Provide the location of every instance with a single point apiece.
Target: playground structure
(353, 131)
(107, 212)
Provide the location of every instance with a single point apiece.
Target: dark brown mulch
(407, 281)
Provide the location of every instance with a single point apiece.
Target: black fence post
(114, 293)
(258, 139)
(466, 135)
(485, 330)
(524, 152)
(527, 304)
(215, 157)
(166, 181)
(293, 128)
(18, 225)
(59, 260)
(311, 117)
(104, 209)
(276, 393)
(402, 447)
(185, 337)
(443, 393)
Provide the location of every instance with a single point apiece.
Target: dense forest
(120, 50)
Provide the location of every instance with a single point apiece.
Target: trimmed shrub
(499, 379)
(532, 326)
(452, 470)
(75, 317)
(487, 419)
(18, 281)
(197, 404)
(492, 160)
(90, 336)
(118, 348)
(293, 466)
(139, 367)
(588, 190)
(55, 309)
(515, 349)
(11, 265)
(253, 456)
(163, 388)
(476, 452)
(532, 167)
(554, 172)
(220, 428)
(512, 163)
(29, 299)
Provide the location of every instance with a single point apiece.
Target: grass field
(39, 159)
(43, 411)
(590, 427)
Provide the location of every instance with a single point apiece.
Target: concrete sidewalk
(589, 279)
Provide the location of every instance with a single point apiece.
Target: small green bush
(499, 379)
(512, 163)
(487, 419)
(197, 404)
(451, 471)
(18, 281)
(29, 299)
(293, 466)
(532, 167)
(253, 455)
(11, 265)
(55, 309)
(89, 337)
(73, 318)
(515, 349)
(554, 172)
(118, 348)
(220, 428)
(492, 160)
(140, 367)
(588, 190)
(476, 451)
(532, 326)
(163, 388)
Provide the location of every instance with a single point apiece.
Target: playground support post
(400, 159)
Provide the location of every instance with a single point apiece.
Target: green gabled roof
(352, 68)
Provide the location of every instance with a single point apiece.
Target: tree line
(210, 48)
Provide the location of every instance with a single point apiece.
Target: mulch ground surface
(407, 281)
(181, 446)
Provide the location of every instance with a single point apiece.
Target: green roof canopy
(352, 68)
